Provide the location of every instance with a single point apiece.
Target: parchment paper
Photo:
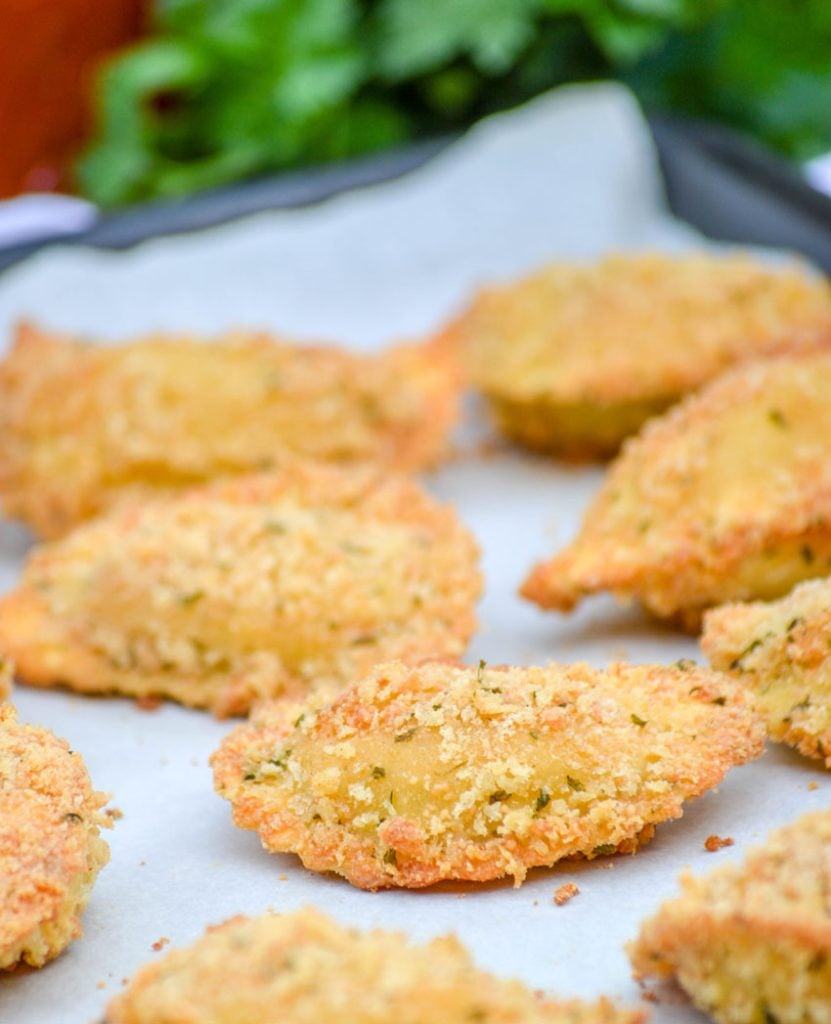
(571, 174)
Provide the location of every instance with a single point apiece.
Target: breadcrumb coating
(303, 968)
(782, 652)
(50, 847)
(82, 426)
(414, 775)
(751, 942)
(575, 357)
(726, 497)
(248, 589)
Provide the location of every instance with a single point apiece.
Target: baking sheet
(570, 175)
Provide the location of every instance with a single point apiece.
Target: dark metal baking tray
(719, 181)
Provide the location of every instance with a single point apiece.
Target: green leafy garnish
(542, 801)
(228, 89)
(604, 849)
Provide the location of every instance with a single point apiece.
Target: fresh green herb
(794, 623)
(191, 597)
(402, 737)
(685, 664)
(299, 720)
(777, 418)
(497, 796)
(480, 672)
(542, 801)
(249, 776)
(637, 720)
(233, 88)
(736, 663)
(73, 817)
(604, 849)
(534, 735)
(721, 701)
(575, 784)
(390, 857)
(378, 772)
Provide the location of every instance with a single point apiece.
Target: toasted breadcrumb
(575, 357)
(565, 893)
(303, 968)
(50, 846)
(248, 589)
(159, 944)
(782, 652)
(414, 775)
(751, 943)
(712, 844)
(726, 497)
(82, 426)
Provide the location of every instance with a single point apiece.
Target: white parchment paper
(572, 174)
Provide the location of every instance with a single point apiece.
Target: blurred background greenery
(220, 90)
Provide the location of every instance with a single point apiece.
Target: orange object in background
(49, 52)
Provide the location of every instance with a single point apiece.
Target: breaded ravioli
(782, 652)
(726, 497)
(576, 357)
(83, 425)
(414, 775)
(303, 968)
(247, 589)
(50, 846)
(751, 943)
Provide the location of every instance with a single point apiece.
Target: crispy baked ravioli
(83, 425)
(50, 846)
(782, 651)
(303, 968)
(726, 497)
(246, 589)
(576, 357)
(414, 775)
(751, 943)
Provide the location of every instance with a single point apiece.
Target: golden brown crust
(751, 943)
(248, 589)
(726, 497)
(576, 357)
(303, 968)
(414, 775)
(782, 652)
(50, 847)
(6, 678)
(83, 426)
